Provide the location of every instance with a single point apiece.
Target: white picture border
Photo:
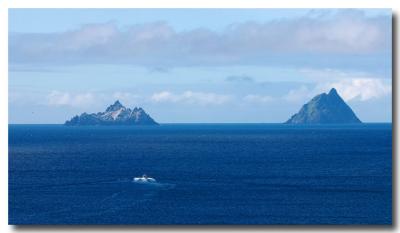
(6, 4)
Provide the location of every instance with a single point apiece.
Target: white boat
(144, 179)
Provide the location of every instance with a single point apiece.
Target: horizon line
(204, 123)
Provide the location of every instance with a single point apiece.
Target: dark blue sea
(206, 174)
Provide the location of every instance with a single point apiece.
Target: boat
(144, 179)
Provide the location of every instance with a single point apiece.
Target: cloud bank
(352, 89)
(58, 98)
(362, 89)
(157, 44)
(190, 97)
(355, 89)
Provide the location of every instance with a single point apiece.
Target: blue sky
(197, 65)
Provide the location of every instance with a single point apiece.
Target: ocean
(205, 174)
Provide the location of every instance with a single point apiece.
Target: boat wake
(151, 182)
(144, 179)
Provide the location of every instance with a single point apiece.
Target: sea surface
(206, 174)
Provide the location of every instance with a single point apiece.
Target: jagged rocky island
(115, 114)
(325, 109)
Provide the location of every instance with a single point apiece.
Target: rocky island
(325, 109)
(115, 114)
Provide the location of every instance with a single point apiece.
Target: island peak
(115, 106)
(325, 109)
(115, 114)
(333, 91)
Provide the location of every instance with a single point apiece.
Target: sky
(197, 65)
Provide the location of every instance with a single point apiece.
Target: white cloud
(164, 96)
(91, 35)
(349, 30)
(57, 98)
(159, 44)
(299, 95)
(351, 85)
(258, 98)
(190, 97)
(362, 89)
(350, 89)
